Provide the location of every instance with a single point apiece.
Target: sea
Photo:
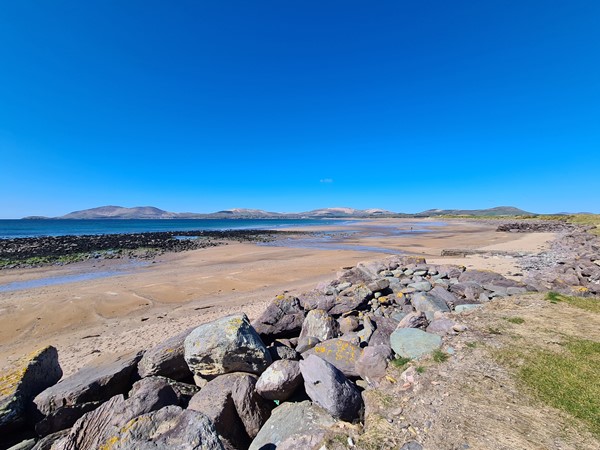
(20, 228)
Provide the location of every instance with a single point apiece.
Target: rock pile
(570, 266)
(281, 382)
(535, 227)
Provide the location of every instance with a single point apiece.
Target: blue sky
(289, 106)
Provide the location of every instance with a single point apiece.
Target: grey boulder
(19, 386)
(425, 302)
(97, 382)
(413, 343)
(320, 325)
(329, 388)
(166, 359)
(372, 364)
(228, 344)
(280, 380)
(289, 421)
(342, 354)
(282, 318)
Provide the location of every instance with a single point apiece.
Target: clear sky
(294, 105)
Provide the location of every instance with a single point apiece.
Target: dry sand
(148, 303)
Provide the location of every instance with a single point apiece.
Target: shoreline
(88, 319)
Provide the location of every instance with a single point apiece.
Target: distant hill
(150, 212)
(498, 211)
(118, 212)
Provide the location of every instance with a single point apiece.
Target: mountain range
(151, 212)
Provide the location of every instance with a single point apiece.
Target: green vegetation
(400, 362)
(516, 320)
(471, 344)
(44, 260)
(567, 380)
(420, 369)
(591, 304)
(440, 356)
(493, 330)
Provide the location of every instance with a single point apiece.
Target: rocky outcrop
(280, 380)
(166, 359)
(18, 387)
(282, 318)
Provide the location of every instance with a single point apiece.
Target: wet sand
(147, 302)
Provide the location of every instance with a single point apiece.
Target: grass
(400, 362)
(587, 303)
(471, 344)
(440, 356)
(420, 369)
(567, 380)
(516, 320)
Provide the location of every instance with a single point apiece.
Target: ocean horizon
(22, 228)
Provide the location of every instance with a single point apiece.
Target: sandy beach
(138, 305)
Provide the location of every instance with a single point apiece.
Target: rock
(228, 344)
(466, 307)
(94, 383)
(343, 355)
(319, 324)
(46, 442)
(384, 327)
(459, 328)
(420, 286)
(378, 285)
(424, 302)
(184, 391)
(101, 427)
(292, 420)
(414, 320)
(480, 276)
(330, 389)
(413, 343)
(18, 387)
(280, 351)
(166, 359)
(372, 363)
(282, 318)
(27, 444)
(367, 331)
(63, 418)
(312, 441)
(351, 299)
(306, 343)
(280, 380)
(443, 294)
(316, 300)
(412, 445)
(168, 428)
(441, 327)
(347, 324)
(234, 407)
(469, 290)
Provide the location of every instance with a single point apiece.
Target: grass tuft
(440, 356)
(587, 303)
(516, 320)
(400, 362)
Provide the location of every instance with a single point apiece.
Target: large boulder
(94, 383)
(427, 303)
(340, 353)
(280, 380)
(372, 364)
(102, 427)
(169, 428)
(384, 327)
(330, 389)
(413, 320)
(413, 343)
(480, 276)
(282, 318)
(166, 359)
(30, 376)
(319, 324)
(351, 299)
(232, 404)
(292, 420)
(443, 294)
(228, 344)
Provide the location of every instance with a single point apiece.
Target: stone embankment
(299, 376)
(18, 250)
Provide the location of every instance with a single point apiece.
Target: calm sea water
(32, 228)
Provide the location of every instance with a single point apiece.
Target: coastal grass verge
(566, 379)
(591, 304)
